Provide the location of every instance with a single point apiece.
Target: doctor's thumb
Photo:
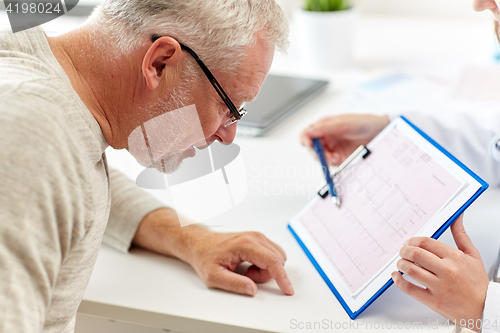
(461, 238)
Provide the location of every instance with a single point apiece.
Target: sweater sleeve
(129, 205)
(42, 212)
(466, 136)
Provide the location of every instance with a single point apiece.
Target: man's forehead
(249, 89)
(249, 99)
(259, 57)
(253, 71)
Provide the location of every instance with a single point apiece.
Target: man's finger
(272, 246)
(461, 238)
(275, 248)
(433, 246)
(420, 294)
(230, 281)
(259, 238)
(265, 259)
(258, 275)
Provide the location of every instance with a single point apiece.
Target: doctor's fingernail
(406, 242)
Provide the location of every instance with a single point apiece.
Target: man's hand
(455, 280)
(217, 255)
(213, 255)
(341, 135)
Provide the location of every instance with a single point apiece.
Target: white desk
(164, 293)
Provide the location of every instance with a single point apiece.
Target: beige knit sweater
(57, 199)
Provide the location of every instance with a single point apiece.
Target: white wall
(428, 8)
(432, 8)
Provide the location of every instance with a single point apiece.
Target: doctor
(456, 283)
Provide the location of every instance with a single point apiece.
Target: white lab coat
(473, 139)
(470, 138)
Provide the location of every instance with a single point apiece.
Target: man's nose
(227, 134)
(480, 5)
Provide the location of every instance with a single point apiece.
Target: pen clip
(348, 160)
(323, 191)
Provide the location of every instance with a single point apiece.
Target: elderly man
(65, 99)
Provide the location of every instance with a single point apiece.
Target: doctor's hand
(341, 135)
(455, 280)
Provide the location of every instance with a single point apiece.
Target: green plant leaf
(326, 5)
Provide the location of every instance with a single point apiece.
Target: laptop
(279, 97)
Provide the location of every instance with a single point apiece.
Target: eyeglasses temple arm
(210, 77)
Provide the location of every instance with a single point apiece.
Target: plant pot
(326, 39)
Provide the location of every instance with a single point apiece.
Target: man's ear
(161, 58)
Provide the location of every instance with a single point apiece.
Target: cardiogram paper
(386, 198)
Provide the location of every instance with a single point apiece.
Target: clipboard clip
(323, 192)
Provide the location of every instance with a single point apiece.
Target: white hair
(217, 30)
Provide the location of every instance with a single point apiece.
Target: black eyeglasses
(236, 114)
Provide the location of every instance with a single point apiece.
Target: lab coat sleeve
(466, 136)
(491, 313)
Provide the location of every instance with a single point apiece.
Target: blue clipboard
(354, 314)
